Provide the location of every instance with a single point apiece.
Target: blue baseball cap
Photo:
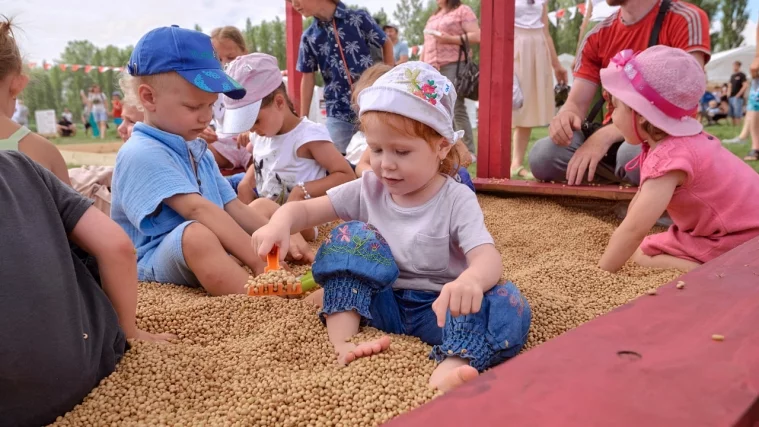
(189, 53)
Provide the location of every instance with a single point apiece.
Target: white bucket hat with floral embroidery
(415, 90)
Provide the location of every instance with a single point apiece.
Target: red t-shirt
(116, 109)
(685, 26)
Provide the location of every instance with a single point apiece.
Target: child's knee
(352, 265)
(493, 335)
(265, 206)
(197, 239)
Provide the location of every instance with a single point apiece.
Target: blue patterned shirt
(320, 51)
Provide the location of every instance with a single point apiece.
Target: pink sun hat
(260, 75)
(662, 84)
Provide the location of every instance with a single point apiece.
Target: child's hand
(209, 135)
(243, 139)
(460, 297)
(266, 237)
(155, 338)
(296, 194)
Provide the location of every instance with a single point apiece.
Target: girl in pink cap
(711, 195)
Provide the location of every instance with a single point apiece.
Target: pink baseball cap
(662, 84)
(260, 75)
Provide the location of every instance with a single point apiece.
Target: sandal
(517, 174)
(752, 156)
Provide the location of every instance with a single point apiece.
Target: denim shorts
(341, 133)
(167, 264)
(234, 181)
(358, 273)
(736, 107)
(753, 96)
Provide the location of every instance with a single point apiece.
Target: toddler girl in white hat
(711, 195)
(414, 256)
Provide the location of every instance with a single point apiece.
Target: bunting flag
(76, 67)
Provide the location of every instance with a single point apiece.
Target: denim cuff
(345, 294)
(466, 344)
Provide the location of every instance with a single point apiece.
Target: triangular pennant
(46, 66)
(581, 8)
(32, 64)
(75, 67)
(560, 13)
(103, 69)
(87, 68)
(63, 66)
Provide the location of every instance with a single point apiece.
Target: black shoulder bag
(590, 125)
(467, 82)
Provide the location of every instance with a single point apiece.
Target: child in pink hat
(711, 195)
(293, 157)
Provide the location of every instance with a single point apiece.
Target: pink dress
(715, 210)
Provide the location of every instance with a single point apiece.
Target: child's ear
(147, 97)
(443, 148)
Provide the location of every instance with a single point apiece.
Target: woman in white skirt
(534, 57)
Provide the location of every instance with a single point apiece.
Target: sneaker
(736, 140)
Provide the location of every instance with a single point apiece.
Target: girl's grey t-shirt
(59, 333)
(429, 242)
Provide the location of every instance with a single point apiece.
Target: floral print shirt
(319, 50)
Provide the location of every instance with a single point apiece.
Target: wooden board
(512, 186)
(649, 363)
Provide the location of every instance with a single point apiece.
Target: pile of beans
(267, 361)
(272, 282)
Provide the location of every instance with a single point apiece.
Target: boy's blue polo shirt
(152, 166)
(319, 50)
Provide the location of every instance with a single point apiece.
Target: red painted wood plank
(511, 186)
(484, 137)
(649, 363)
(294, 28)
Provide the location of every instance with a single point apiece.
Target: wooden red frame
(652, 362)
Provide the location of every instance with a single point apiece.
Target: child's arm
(306, 93)
(46, 154)
(464, 295)
(246, 189)
(388, 57)
(325, 153)
(232, 237)
(650, 203)
(102, 238)
(290, 219)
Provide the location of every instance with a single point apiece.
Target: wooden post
(496, 79)
(294, 25)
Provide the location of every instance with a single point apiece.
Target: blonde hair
(230, 33)
(10, 56)
(410, 127)
(129, 85)
(368, 77)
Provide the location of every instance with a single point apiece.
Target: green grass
(111, 135)
(722, 132)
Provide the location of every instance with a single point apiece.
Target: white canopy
(720, 67)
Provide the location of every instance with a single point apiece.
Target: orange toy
(274, 280)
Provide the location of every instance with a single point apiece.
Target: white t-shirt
(601, 10)
(278, 167)
(429, 242)
(356, 148)
(528, 15)
(98, 102)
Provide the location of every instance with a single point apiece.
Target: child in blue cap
(168, 194)
(414, 256)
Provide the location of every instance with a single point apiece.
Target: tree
(380, 17)
(409, 18)
(197, 28)
(250, 36)
(278, 45)
(734, 20)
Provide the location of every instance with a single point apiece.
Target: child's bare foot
(451, 373)
(348, 352)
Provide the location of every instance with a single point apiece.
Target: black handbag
(590, 125)
(467, 82)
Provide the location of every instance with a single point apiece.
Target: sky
(47, 25)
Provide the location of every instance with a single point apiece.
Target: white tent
(720, 67)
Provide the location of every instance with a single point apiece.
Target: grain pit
(267, 361)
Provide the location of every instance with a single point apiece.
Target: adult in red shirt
(565, 154)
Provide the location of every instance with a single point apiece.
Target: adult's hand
(561, 75)
(586, 159)
(562, 127)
